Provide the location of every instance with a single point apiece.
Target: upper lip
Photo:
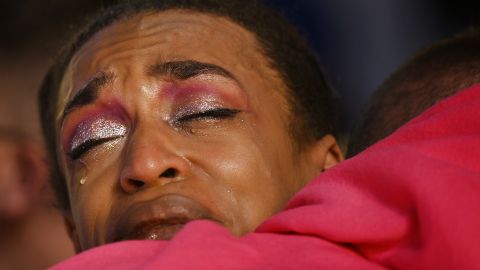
(169, 212)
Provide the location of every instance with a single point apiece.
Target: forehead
(173, 35)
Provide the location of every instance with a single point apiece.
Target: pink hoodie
(412, 201)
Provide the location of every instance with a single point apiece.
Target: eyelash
(218, 113)
(83, 148)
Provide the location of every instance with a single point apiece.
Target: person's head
(162, 112)
(431, 75)
(23, 175)
(29, 225)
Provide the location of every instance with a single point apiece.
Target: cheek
(91, 201)
(89, 168)
(243, 170)
(91, 208)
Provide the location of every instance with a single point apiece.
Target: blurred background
(359, 43)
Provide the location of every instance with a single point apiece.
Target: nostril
(136, 183)
(169, 173)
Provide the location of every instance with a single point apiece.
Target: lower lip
(160, 218)
(156, 232)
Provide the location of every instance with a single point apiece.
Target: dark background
(359, 42)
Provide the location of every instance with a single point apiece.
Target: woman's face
(171, 117)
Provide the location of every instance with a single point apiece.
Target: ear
(35, 169)
(323, 154)
(334, 154)
(72, 231)
(22, 177)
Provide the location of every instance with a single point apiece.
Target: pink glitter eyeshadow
(99, 128)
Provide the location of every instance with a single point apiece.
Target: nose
(151, 160)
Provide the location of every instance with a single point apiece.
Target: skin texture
(164, 161)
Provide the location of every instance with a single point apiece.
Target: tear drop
(82, 172)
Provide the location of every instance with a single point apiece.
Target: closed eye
(83, 148)
(219, 113)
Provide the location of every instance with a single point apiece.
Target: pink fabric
(411, 201)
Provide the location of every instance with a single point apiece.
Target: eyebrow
(184, 70)
(181, 70)
(89, 93)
